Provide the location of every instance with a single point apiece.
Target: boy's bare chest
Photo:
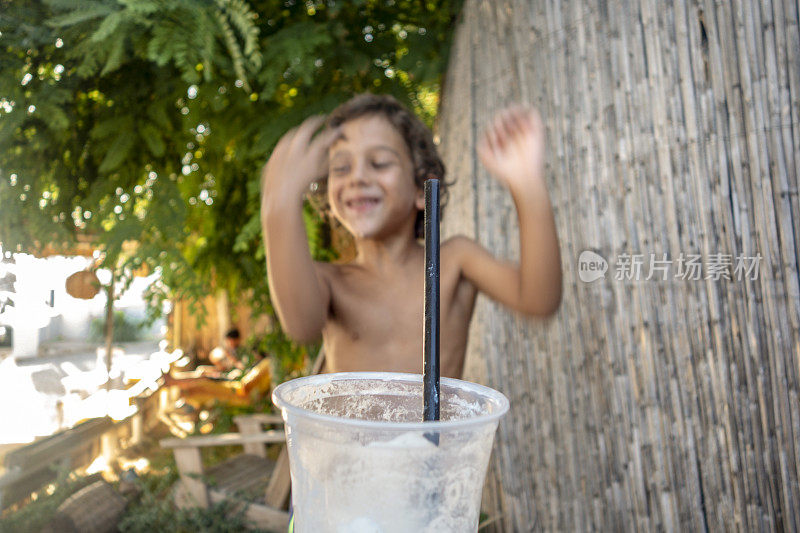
(364, 307)
(378, 325)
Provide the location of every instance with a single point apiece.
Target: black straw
(430, 362)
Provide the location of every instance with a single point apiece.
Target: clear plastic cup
(363, 461)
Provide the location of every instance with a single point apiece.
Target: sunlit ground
(55, 377)
(38, 398)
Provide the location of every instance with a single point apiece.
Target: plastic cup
(362, 460)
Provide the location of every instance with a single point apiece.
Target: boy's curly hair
(418, 137)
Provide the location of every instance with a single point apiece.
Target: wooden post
(190, 466)
(223, 316)
(137, 422)
(251, 426)
(280, 484)
(109, 445)
(109, 330)
(177, 324)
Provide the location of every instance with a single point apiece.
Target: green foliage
(291, 360)
(149, 121)
(35, 514)
(155, 511)
(125, 328)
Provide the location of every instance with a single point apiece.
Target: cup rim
(495, 397)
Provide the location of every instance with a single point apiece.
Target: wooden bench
(30, 467)
(250, 478)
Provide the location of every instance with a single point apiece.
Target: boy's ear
(419, 201)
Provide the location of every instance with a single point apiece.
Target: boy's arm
(513, 151)
(298, 289)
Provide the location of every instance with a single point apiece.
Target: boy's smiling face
(371, 187)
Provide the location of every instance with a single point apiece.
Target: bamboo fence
(673, 128)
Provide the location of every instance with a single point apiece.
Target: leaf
(250, 231)
(107, 27)
(115, 56)
(80, 15)
(105, 128)
(143, 7)
(66, 5)
(233, 49)
(157, 113)
(54, 116)
(242, 17)
(117, 152)
(9, 124)
(153, 140)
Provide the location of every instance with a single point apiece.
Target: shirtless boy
(376, 156)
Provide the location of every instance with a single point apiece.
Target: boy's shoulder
(457, 242)
(332, 273)
(325, 270)
(457, 247)
(454, 247)
(325, 267)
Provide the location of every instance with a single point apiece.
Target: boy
(376, 155)
(227, 358)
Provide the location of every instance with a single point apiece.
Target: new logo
(591, 266)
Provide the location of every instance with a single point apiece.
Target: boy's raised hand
(297, 160)
(300, 295)
(512, 147)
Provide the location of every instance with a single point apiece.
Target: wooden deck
(245, 476)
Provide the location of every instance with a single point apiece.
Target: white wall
(35, 322)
